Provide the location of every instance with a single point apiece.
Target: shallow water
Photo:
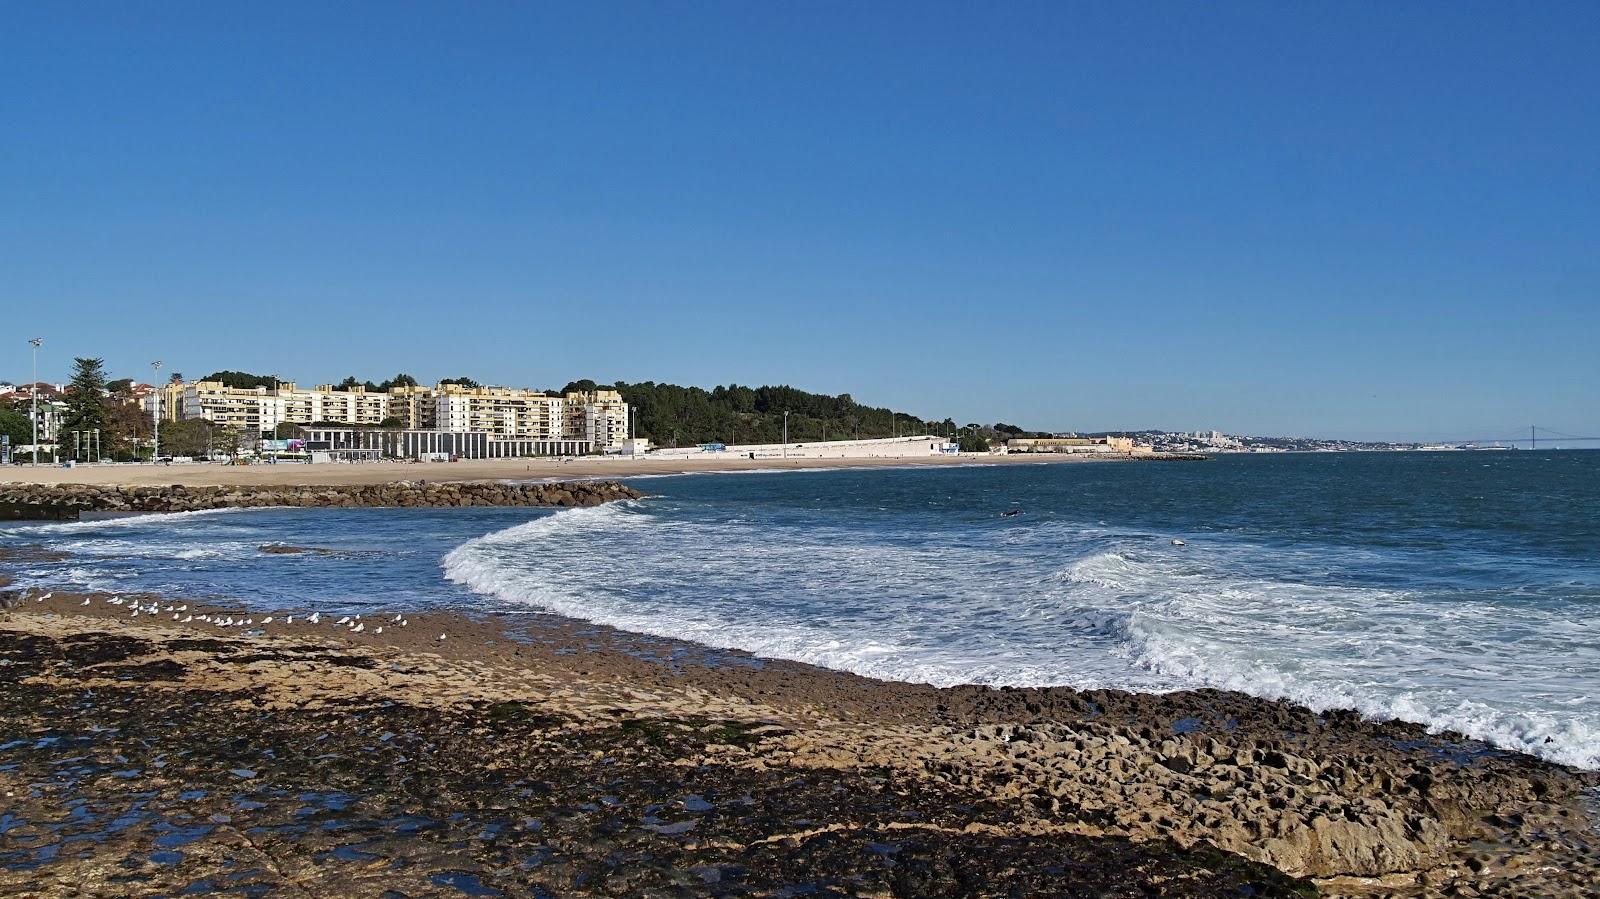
(1460, 590)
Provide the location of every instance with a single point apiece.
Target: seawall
(420, 494)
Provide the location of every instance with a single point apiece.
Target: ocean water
(1459, 590)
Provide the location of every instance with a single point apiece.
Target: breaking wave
(1045, 606)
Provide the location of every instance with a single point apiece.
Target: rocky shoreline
(533, 753)
(419, 494)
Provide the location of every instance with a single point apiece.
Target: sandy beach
(164, 752)
(479, 469)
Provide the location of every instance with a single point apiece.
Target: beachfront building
(412, 406)
(48, 408)
(502, 411)
(604, 418)
(920, 445)
(427, 445)
(168, 398)
(522, 422)
(1077, 445)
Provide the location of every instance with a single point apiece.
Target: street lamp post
(155, 448)
(786, 433)
(33, 394)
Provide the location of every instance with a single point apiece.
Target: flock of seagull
(181, 614)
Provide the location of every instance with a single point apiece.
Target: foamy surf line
(504, 565)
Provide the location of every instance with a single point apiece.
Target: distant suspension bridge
(1531, 441)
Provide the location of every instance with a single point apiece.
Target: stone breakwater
(420, 494)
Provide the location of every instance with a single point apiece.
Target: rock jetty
(420, 494)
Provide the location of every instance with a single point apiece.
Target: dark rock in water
(25, 510)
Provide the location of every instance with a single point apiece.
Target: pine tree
(86, 408)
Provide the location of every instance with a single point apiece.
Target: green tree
(739, 414)
(461, 382)
(17, 426)
(86, 409)
(127, 431)
(227, 440)
(241, 380)
(973, 443)
(400, 380)
(391, 422)
(185, 438)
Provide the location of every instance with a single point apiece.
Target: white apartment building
(505, 411)
(596, 418)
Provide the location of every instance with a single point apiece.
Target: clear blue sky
(1337, 218)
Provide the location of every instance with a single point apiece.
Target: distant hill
(671, 415)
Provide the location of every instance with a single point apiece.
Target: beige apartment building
(413, 406)
(597, 418)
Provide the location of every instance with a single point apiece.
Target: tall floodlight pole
(786, 433)
(155, 448)
(274, 408)
(33, 393)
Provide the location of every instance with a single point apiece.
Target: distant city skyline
(1358, 220)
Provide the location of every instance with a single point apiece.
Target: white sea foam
(1055, 604)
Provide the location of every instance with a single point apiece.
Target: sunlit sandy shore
(471, 470)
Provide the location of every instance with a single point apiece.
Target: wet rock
(175, 498)
(172, 788)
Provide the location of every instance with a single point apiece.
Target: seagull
(289, 620)
(183, 608)
(398, 617)
(84, 603)
(379, 630)
(174, 616)
(344, 620)
(404, 623)
(267, 620)
(441, 636)
(187, 618)
(358, 629)
(316, 617)
(46, 596)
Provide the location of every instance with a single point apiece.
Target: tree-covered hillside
(671, 415)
